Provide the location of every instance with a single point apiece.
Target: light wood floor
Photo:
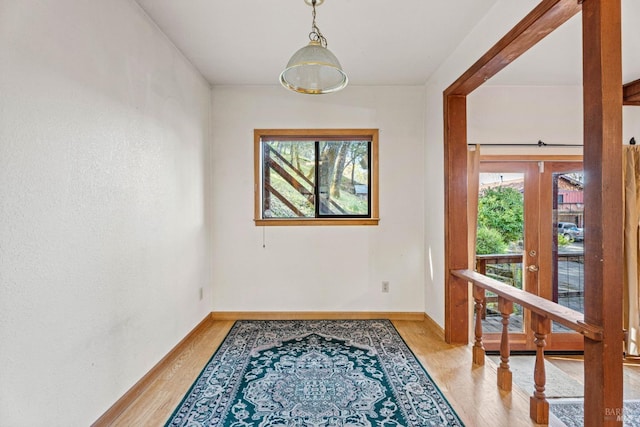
(573, 365)
(471, 390)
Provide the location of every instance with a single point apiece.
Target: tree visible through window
(316, 175)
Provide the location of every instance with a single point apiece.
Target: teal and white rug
(570, 413)
(314, 373)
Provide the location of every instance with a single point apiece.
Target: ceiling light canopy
(314, 69)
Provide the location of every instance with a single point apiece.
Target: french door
(520, 206)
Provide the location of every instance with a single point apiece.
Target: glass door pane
(500, 241)
(568, 241)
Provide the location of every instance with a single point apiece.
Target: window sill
(316, 221)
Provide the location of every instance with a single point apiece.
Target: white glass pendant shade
(314, 70)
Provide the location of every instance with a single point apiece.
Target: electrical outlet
(385, 286)
(201, 294)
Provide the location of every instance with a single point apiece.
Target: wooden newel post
(504, 373)
(538, 404)
(478, 347)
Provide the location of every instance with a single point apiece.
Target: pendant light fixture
(314, 69)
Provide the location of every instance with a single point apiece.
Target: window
(316, 177)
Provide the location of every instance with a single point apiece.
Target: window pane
(288, 179)
(343, 178)
(316, 176)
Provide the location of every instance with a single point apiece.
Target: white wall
(103, 238)
(526, 114)
(500, 19)
(631, 123)
(304, 268)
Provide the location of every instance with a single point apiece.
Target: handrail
(270, 151)
(501, 258)
(291, 180)
(283, 199)
(514, 258)
(543, 312)
(565, 316)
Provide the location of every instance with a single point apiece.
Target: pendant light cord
(315, 34)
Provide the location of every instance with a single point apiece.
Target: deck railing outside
(507, 268)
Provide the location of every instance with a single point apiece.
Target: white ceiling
(378, 42)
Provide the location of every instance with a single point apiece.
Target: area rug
(314, 373)
(570, 413)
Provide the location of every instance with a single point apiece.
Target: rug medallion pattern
(314, 373)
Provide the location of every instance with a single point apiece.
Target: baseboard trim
(311, 315)
(434, 326)
(110, 416)
(145, 382)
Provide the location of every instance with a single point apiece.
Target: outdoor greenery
(347, 200)
(489, 241)
(500, 219)
(341, 166)
(563, 241)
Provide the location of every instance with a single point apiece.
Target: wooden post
(456, 320)
(542, 20)
(538, 404)
(504, 373)
(602, 83)
(478, 347)
(481, 267)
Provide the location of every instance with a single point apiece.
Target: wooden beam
(456, 321)
(541, 21)
(631, 93)
(602, 83)
(545, 18)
